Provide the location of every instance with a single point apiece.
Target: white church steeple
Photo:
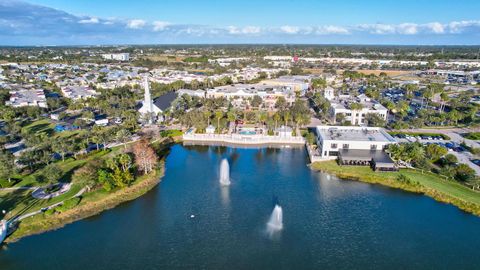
(148, 107)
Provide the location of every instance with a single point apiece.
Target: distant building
(298, 83)
(78, 92)
(116, 56)
(356, 116)
(239, 94)
(21, 98)
(193, 93)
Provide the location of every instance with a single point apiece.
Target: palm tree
(276, 118)
(218, 115)
(286, 117)
(207, 115)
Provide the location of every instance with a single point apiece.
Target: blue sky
(62, 22)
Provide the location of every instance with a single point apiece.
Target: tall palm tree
(218, 115)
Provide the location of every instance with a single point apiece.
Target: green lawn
(43, 125)
(21, 201)
(48, 127)
(67, 167)
(431, 181)
(449, 187)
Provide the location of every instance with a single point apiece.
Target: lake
(189, 221)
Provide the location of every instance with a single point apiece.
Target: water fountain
(224, 173)
(275, 223)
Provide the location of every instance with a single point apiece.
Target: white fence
(244, 139)
(3, 230)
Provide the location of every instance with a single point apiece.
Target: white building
(21, 98)
(332, 140)
(148, 106)
(116, 56)
(193, 93)
(356, 116)
(78, 92)
(239, 94)
(299, 83)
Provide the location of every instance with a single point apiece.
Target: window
(345, 146)
(333, 146)
(373, 147)
(333, 153)
(348, 114)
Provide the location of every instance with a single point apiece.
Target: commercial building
(338, 141)
(240, 94)
(78, 92)
(298, 83)
(21, 98)
(355, 109)
(116, 56)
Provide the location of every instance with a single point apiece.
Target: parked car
(476, 161)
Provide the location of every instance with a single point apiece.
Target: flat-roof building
(21, 98)
(116, 56)
(78, 92)
(356, 115)
(331, 140)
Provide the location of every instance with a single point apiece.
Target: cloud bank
(22, 23)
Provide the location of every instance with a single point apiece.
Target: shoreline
(389, 181)
(40, 224)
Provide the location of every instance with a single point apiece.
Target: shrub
(49, 212)
(464, 173)
(68, 204)
(472, 135)
(171, 133)
(406, 180)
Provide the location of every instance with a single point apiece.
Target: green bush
(68, 204)
(49, 212)
(445, 137)
(472, 135)
(406, 180)
(171, 133)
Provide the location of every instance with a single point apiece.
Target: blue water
(328, 223)
(247, 132)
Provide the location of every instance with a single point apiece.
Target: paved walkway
(41, 194)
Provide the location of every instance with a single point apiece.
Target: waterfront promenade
(257, 139)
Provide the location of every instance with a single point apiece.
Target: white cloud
(160, 25)
(245, 30)
(407, 28)
(462, 26)
(436, 27)
(332, 30)
(380, 29)
(290, 29)
(91, 20)
(136, 24)
(251, 30)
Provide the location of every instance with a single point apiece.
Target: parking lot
(453, 145)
